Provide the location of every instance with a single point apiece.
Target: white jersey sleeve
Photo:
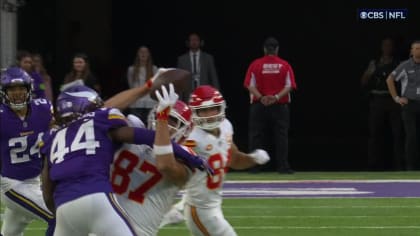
(205, 191)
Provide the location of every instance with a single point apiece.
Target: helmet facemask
(206, 98)
(209, 122)
(16, 88)
(179, 122)
(17, 99)
(179, 128)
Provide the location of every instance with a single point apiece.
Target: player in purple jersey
(22, 123)
(79, 153)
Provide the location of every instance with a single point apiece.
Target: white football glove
(158, 73)
(260, 156)
(166, 99)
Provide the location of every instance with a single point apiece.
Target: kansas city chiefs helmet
(204, 97)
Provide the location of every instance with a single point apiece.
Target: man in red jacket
(270, 80)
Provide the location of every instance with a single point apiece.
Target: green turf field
(313, 216)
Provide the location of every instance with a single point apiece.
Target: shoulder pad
(115, 114)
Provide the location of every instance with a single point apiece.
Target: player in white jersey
(212, 138)
(147, 180)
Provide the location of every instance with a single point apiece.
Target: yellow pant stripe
(197, 221)
(31, 204)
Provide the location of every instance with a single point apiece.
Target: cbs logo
(371, 15)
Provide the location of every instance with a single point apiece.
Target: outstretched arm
(240, 160)
(171, 169)
(123, 99)
(127, 134)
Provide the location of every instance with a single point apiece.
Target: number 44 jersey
(204, 191)
(80, 154)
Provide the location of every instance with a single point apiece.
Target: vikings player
(212, 138)
(22, 123)
(76, 171)
(147, 181)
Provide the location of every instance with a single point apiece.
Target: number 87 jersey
(141, 189)
(204, 191)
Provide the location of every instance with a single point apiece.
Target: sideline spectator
(270, 80)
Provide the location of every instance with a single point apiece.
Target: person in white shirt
(142, 69)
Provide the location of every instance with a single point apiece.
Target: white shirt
(197, 61)
(146, 101)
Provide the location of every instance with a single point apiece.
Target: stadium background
(325, 42)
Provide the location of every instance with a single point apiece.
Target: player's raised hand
(166, 99)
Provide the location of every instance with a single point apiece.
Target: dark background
(325, 42)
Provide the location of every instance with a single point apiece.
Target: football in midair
(180, 78)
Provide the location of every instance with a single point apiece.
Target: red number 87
(138, 193)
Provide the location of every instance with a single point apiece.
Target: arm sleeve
(248, 76)
(145, 136)
(398, 72)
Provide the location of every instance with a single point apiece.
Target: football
(180, 78)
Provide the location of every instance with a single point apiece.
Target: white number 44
(59, 148)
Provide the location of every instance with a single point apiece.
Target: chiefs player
(212, 138)
(146, 178)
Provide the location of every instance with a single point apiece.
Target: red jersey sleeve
(292, 78)
(248, 75)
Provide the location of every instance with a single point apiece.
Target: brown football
(180, 78)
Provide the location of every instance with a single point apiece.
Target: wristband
(149, 83)
(162, 150)
(163, 115)
(397, 99)
(277, 96)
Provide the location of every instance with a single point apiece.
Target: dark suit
(207, 69)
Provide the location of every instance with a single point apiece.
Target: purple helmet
(15, 76)
(77, 100)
